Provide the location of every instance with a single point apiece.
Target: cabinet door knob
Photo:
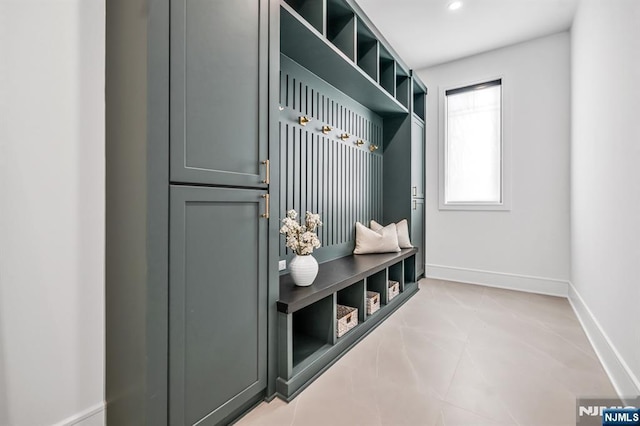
(267, 172)
(266, 206)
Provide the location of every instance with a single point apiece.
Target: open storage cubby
(307, 315)
(387, 72)
(367, 51)
(396, 273)
(354, 296)
(341, 27)
(329, 38)
(419, 98)
(312, 330)
(403, 85)
(409, 272)
(313, 11)
(378, 283)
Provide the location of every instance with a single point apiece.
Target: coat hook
(359, 142)
(373, 147)
(326, 129)
(281, 108)
(344, 136)
(303, 120)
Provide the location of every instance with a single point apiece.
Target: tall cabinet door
(218, 300)
(417, 191)
(417, 233)
(417, 158)
(219, 93)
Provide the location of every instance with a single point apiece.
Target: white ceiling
(425, 32)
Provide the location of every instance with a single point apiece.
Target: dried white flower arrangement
(301, 238)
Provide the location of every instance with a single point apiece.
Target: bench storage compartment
(348, 299)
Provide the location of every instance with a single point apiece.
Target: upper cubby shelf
(403, 87)
(312, 11)
(329, 39)
(419, 97)
(341, 28)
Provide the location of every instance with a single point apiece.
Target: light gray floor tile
(455, 354)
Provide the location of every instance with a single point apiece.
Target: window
(472, 154)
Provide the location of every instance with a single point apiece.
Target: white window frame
(505, 160)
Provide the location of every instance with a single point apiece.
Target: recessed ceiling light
(455, 5)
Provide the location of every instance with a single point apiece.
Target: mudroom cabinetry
(206, 101)
(188, 216)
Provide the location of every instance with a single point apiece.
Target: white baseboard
(527, 283)
(92, 416)
(624, 381)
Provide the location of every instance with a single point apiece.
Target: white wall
(605, 175)
(527, 247)
(51, 212)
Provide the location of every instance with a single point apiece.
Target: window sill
(474, 207)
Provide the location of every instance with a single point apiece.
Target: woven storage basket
(393, 290)
(373, 302)
(347, 318)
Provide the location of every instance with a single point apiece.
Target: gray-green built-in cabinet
(195, 188)
(191, 270)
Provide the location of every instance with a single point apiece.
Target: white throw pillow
(369, 241)
(403, 232)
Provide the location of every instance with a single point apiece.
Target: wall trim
(626, 384)
(518, 282)
(79, 418)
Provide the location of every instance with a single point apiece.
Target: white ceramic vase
(304, 270)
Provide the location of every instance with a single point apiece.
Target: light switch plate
(282, 265)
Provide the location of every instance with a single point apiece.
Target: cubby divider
(341, 27)
(313, 11)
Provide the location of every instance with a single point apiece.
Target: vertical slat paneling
(332, 193)
(322, 173)
(326, 191)
(340, 189)
(283, 179)
(302, 159)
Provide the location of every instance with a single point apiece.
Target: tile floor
(455, 354)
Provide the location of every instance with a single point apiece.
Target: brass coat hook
(303, 120)
(373, 147)
(326, 129)
(359, 142)
(344, 136)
